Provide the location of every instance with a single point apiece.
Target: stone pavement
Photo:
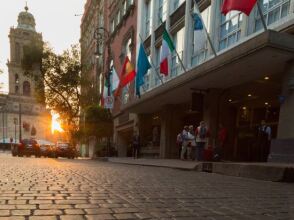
(61, 189)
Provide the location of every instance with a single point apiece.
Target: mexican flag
(244, 6)
(167, 48)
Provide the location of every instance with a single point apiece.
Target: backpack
(202, 133)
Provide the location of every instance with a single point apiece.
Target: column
(211, 112)
(282, 148)
(188, 36)
(171, 125)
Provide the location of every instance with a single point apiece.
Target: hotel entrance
(253, 103)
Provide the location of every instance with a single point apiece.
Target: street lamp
(15, 123)
(102, 37)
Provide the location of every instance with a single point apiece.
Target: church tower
(24, 116)
(24, 34)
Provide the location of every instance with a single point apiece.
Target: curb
(252, 171)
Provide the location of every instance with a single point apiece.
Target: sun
(55, 126)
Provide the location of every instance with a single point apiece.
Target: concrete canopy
(263, 55)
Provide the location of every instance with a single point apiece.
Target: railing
(272, 12)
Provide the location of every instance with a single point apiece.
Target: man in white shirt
(264, 136)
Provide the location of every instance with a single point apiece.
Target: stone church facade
(21, 115)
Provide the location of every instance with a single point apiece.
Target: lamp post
(102, 37)
(15, 123)
(3, 132)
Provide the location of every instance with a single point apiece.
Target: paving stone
(43, 218)
(48, 212)
(74, 211)
(72, 217)
(98, 211)
(99, 217)
(4, 213)
(124, 216)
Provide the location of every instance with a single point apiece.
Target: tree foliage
(57, 79)
(98, 122)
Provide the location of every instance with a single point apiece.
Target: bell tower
(24, 34)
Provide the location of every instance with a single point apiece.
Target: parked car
(26, 147)
(47, 150)
(66, 150)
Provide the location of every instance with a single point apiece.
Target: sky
(55, 19)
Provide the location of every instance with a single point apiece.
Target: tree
(98, 122)
(57, 78)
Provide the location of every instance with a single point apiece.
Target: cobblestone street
(33, 188)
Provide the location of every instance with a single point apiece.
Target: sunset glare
(55, 124)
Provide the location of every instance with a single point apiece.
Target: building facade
(121, 23)
(92, 65)
(22, 116)
(249, 80)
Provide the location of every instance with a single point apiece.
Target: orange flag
(127, 75)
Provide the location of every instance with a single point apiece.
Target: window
(112, 25)
(273, 10)
(17, 52)
(230, 29)
(200, 44)
(118, 17)
(16, 78)
(178, 40)
(147, 77)
(26, 88)
(127, 49)
(127, 52)
(175, 4)
(162, 10)
(124, 7)
(147, 18)
(157, 73)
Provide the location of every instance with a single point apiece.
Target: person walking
(202, 134)
(136, 145)
(185, 141)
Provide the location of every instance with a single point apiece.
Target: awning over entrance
(263, 55)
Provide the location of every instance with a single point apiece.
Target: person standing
(264, 140)
(179, 143)
(185, 141)
(192, 143)
(136, 145)
(202, 134)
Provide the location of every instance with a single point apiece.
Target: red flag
(244, 6)
(127, 75)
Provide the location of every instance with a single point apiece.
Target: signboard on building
(108, 102)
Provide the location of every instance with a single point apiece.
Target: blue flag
(142, 68)
(198, 25)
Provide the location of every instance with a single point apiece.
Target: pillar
(282, 148)
(211, 112)
(170, 126)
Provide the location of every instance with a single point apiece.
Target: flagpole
(207, 34)
(158, 75)
(261, 16)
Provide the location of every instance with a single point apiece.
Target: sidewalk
(276, 172)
